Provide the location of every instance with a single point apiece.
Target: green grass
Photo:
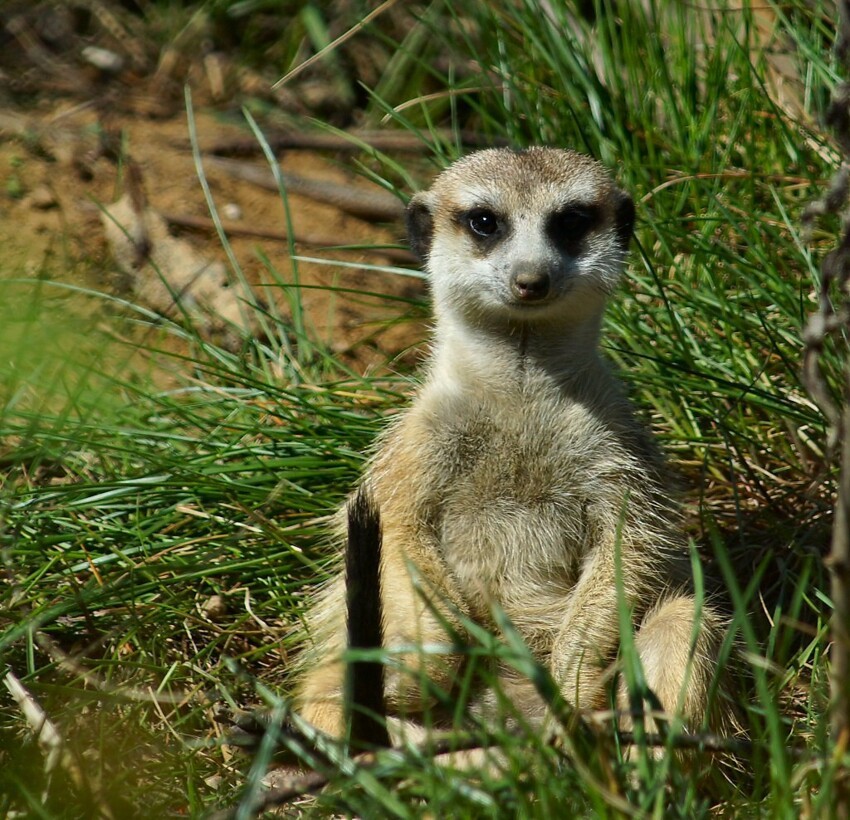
(149, 470)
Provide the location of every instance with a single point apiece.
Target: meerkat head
(539, 235)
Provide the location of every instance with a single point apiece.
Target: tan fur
(519, 474)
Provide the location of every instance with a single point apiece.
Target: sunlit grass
(164, 498)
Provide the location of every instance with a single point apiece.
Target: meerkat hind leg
(679, 663)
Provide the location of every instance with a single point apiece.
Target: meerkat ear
(420, 224)
(624, 216)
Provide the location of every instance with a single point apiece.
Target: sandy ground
(56, 183)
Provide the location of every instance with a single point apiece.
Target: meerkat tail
(364, 685)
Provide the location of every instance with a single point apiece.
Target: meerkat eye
(482, 222)
(573, 223)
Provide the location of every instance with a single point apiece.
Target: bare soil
(56, 179)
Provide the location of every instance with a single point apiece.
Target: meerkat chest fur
(513, 483)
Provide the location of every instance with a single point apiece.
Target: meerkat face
(522, 236)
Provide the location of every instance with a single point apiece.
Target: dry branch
(353, 141)
(830, 320)
(375, 204)
(48, 737)
(398, 256)
(299, 785)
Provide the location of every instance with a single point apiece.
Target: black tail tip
(363, 511)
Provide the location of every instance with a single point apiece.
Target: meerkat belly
(522, 553)
(513, 514)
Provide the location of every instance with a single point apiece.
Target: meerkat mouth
(531, 307)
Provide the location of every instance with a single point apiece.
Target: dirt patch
(58, 180)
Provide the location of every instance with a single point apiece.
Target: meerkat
(519, 474)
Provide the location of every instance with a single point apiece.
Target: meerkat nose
(530, 284)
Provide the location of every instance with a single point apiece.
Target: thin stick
(351, 141)
(374, 204)
(839, 566)
(312, 782)
(204, 223)
(828, 321)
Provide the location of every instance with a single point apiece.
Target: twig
(45, 731)
(138, 235)
(375, 204)
(311, 782)
(124, 692)
(828, 321)
(352, 142)
(68, 76)
(65, 661)
(51, 741)
(204, 223)
(705, 742)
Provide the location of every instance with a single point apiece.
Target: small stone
(215, 608)
(103, 59)
(231, 210)
(41, 198)
(213, 782)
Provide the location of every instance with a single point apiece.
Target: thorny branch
(833, 318)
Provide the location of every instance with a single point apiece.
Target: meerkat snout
(531, 283)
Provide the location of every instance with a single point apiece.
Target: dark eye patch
(572, 223)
